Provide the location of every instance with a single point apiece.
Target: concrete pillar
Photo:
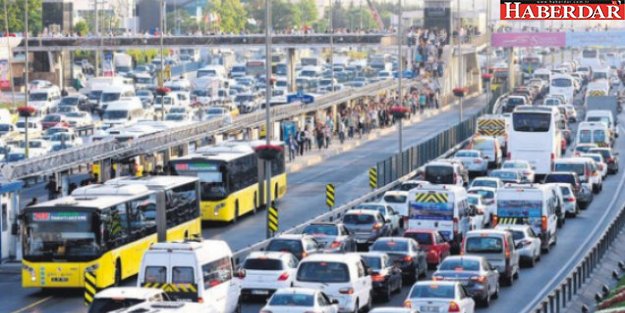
(335, 115)
(290, 65)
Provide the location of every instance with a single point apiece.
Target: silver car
(526, 242)
(473, 161)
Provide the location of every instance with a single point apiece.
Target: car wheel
(387, 294)
(486, 301)
(508, 280)
(496, 294)
(546, 248)
(357, 307)
(531, 262)
(400, 285)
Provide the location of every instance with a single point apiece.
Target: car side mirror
(241, 273)
(387, 220)
(334, 301)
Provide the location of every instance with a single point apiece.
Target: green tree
(107, 21)
(309, 14)
(15, 15)
(285, 15)
(233, 15)
(180, 21)
(82, 28)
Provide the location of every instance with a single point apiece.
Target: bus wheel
(118, 273)
(236, 211)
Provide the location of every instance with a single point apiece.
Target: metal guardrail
(70, 158)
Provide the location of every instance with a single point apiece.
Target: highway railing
(338, 212)
(71, 158)
(568, 287)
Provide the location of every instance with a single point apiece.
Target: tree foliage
(82, 28)
(232, 14)
(15, 15)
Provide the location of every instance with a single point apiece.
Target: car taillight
(437, 278)
(569, 199)
(346, 291)
(453, 307)
(506, 248)
(477, 161)
(479, 279)
(201, 300)
(408, 304)
(543, 224)
(335, 244)
(377, 278)
(284, 276)
(377, 226)
(495, 220)
(455, 226)
(553, 156)
(407, 259)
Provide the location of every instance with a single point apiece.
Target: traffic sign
(272, 219)
(373, 178)
(330, 195)
(301, 97)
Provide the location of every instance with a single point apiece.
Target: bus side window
(142, 216)
(117, 226)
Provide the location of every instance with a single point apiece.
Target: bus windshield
(531, 122)
(561, 82)
(211, 177)
(58, 234)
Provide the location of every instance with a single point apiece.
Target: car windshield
(467, 154)
(558, 178)
(390, 246)
(504, 175)
(144, 93)
(75, 114)
(515, 165)
(584, 148)
(115, 115)
(263, 264)
(604, 152)
(561, 82)
(517, 235)
(292, 299)
(484, 183)
(215, 111)
(175, 117)
(374, 262)
(323, 272)
(38, 96)
(473, 200)
(483, 245)
(459, 264)
(52, 118)
(5, 127)
(104, 305)
(110, 96)
(433, 290)
(286, 245)
(395, 198)
(329, 230)
(14, 157)
(358, 219)
(69, 101)
(421, 238)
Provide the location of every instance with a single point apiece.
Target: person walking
(292, 147)
(342, 128)
(300, 138)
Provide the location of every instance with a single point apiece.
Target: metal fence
(416, 156)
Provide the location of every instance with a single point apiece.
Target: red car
(52, 120)
(432, 242)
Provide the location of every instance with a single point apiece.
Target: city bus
(255, 68)
(562, 84)
(103, 229)
(535, 136)
(228, 176)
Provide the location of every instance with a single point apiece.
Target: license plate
(361, 241)
(428, 308)
(260, 292)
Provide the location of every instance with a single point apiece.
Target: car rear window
(484, 245)
(330, 230)
(433, 291)
(484, 183)
(460, 264)
(182, 275)
(323, 272)
(604, 152)
(292, 300)
(263, 264)
(284, 245)
(389, 246)
(373, 262)
(358, 219)
(395, 198)
(559, 178)
(570, 167)
(517, 235)
(565, 191)
(155, 274)
(421, 238)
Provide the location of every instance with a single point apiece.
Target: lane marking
(32, 305)
(568, 266)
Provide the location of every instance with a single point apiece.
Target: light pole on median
(162, 76)
(27, 67)
(460, 57)
(331, 27)
(400, 69)
(268, 128)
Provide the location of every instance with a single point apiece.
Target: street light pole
(26, 29)
(97, 33)
(162, 78)
(460, 61)
(331, 27)
(268, 128)
(400, 69)
(10, 59)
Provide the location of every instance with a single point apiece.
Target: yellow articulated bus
(104, 229)
(228, 176)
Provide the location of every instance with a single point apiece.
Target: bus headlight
(31, 271)
(92, 268)
(219, 207)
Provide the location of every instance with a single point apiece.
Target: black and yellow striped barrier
(431, 197)
(90, 287)
(491, 127)
(172, 288)
(373, 178)
(513, 220)
(272, 219)
(330, 195)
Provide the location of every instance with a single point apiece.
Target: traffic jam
(450, 239)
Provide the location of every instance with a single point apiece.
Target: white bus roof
(152, 182)
(110, 190)
(96, 202)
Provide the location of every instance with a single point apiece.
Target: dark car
(405, 253)
(300, 246)
(479, 278)
(366, 225)
(386, 278)
(79, 101)
(52, 120)
(611, 158)
(332, 237)
(583, 194)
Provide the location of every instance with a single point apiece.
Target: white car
(526, 242)
(78, 119)
(601, 165)
(491, 182)
(439, 296)
(523, 167)
(481, 216)
(300, 300)
(473, 161)
(571, 112)
(390, 215)
(265, 272)
(570, 201)
(36, 147)
(117, 298)
(398, 200)
(69, 138)
(489, 200)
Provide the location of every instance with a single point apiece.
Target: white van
(115, 93)
(46, 99)
(193, 271)
(123, 112)
(534, 204)
(440, 207)
(211, 71)
(594, 132)
(343, 277)
(170, 307)
(604, 116)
